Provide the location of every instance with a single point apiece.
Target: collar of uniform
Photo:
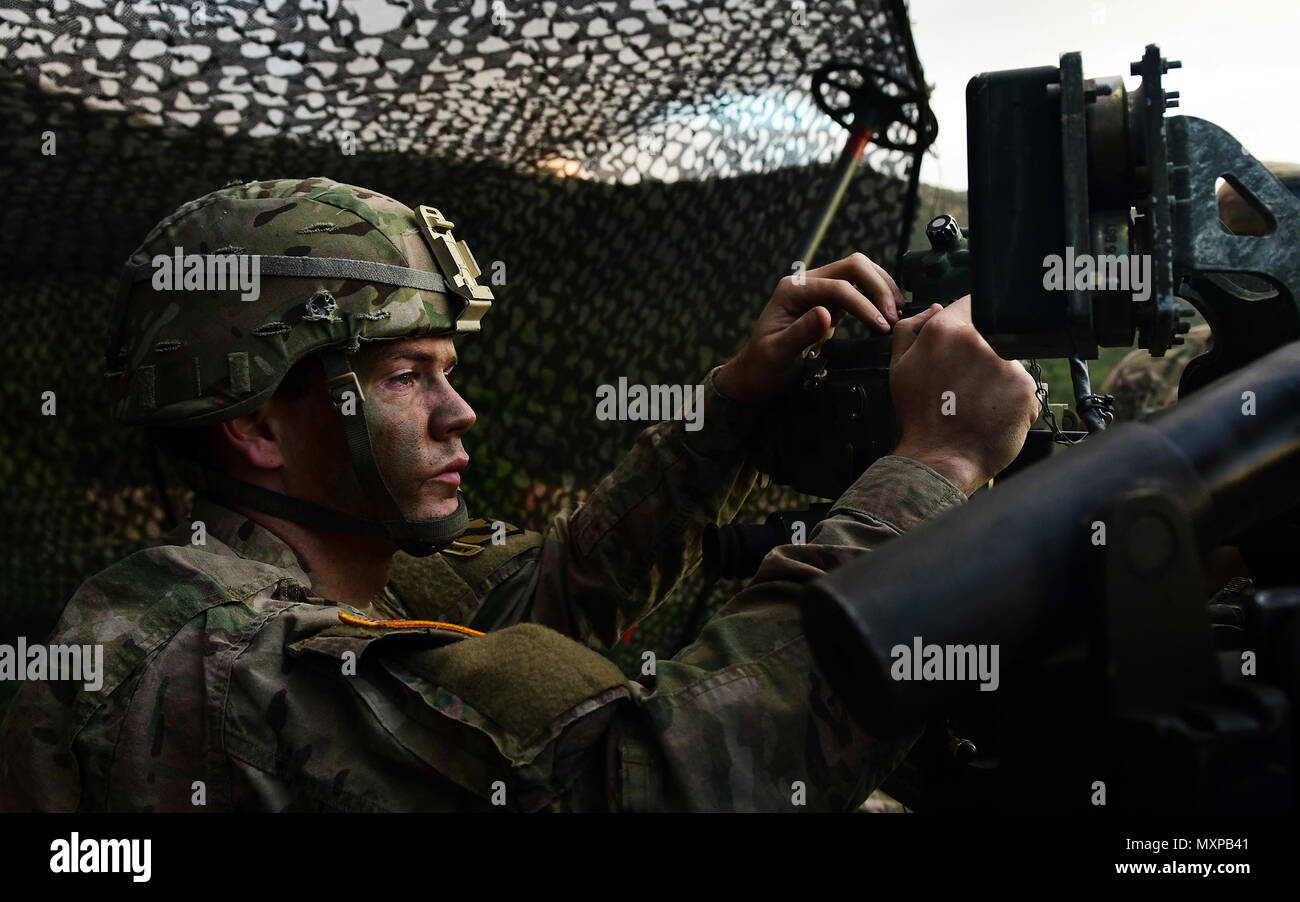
(244, 538)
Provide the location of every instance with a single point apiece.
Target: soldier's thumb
(814, 326)
(907, 330)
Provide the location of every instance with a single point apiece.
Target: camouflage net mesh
(644, 173)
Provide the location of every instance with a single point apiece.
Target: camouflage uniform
(1143, 385)
(476, 678)
(223, 667)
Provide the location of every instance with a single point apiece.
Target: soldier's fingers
(870, 279)
(839, 297)
(959, 311)
(907, 330)
(899, 300)
(813, 327)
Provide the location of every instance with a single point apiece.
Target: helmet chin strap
(418, 538)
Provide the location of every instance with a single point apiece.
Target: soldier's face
(417, 420)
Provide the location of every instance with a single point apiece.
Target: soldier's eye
(400, 376)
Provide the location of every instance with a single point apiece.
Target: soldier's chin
(432, 507)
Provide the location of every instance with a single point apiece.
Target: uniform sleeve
(743, 719)
(607, 564)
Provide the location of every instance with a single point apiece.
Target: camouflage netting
(641, 173)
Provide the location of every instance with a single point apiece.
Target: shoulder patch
(486, 545)
(449, 585)
(481, 531)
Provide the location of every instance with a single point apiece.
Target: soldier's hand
(803, 311)
(962, 410)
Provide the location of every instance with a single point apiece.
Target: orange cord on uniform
(406, 624)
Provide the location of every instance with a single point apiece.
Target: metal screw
(963, 751)
(1091, 94)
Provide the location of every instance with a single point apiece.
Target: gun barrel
(1015, 564)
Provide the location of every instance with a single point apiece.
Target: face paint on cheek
(404, 462)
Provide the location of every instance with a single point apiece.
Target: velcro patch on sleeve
(522, 678)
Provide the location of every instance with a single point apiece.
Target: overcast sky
(1241, 60)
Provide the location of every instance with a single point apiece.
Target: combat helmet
(227, 293)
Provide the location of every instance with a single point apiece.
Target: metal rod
(845, 167)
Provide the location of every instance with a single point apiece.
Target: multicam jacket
(476, 681)
(1144, 385)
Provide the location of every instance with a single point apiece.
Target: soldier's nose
(452, 418)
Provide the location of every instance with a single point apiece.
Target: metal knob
(943, 232)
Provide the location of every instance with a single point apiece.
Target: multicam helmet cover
(232, 289)
(225, 295)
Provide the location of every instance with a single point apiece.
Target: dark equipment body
(1085, 570)
(1120, 630)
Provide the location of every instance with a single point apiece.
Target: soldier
(330, 631)
(1142, 384)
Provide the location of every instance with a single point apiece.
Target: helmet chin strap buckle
(421, 538)
(340, 386)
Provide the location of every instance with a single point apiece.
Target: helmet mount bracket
(458, 266)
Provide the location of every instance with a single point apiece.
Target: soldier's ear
(254, 439)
